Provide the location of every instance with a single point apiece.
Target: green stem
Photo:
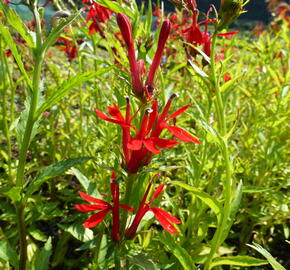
(218, 236)
(129, 185)
(4, 111)
(38, 58)
(117, 256)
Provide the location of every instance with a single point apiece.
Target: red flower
(68, 47)
(227, 77)
(166, 220)
(104, 208)
(97, 14)
(138, 150)
(137, 67)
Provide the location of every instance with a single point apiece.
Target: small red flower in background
(104, 208)
(138, 150)
(227, 77)
(8, 53)
(97, 14)
(137, 67)
(166, 220)
(69, 47)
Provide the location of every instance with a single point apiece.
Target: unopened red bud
(163, 36)
(126, 29)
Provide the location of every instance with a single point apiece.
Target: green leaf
(10, 42)
(8, 254)
(235, 204)
(79, 232)
(253, 189)
(142, 261)
(42, 259)
(53, 171)
(56, 31)
(179, 252)
(148, 18)
(245, 261)
(13, 193)
(89, 187)
(212, 132)
(115, 6)
(268, 256)
(87, 245)
(206, 198)
(14, 20)
(66, 87)
(197, 69)
(22, 121)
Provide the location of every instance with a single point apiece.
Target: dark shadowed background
(257, 9)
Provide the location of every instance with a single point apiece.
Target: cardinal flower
(104, 208)
(97, 14)
(137, 67)
(165, 219)
(138, 149)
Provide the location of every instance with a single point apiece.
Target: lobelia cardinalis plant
(137, 149)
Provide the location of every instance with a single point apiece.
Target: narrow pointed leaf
(245, 261)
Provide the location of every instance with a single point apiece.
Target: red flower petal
(96, 219)
(182, 134)
(126, 207)
(106, 118)
(156, 193)
(166, 215)
(115, 112)
(163, 221)
(90, 207)
(178, 112)
(135, 144)
(150, 145)
(163, 143)
(88, 198)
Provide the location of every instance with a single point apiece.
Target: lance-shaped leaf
(68, 85)
(178, 251)
(9, 40)
(244, 261)
(53, 171)
(14, 20)
(42, 259)
(206, 198)
(268, 256)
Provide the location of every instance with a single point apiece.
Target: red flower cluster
(69, 47)
(138, 150)
(137, 67)
(104, 208)
(97, 14)
(163, 217)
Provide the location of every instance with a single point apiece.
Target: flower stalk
(217, 239)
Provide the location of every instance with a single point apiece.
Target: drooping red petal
(163, 143)
(182, 134)
(167, 215)
(96, 219)
(150, 145)
(89, 198)
(115, 112)
(228, 34)
(163, 220)
(126, 207)
(106, 118)
(156, 193)
(89, 207)
(178, 112)
(135, 144)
